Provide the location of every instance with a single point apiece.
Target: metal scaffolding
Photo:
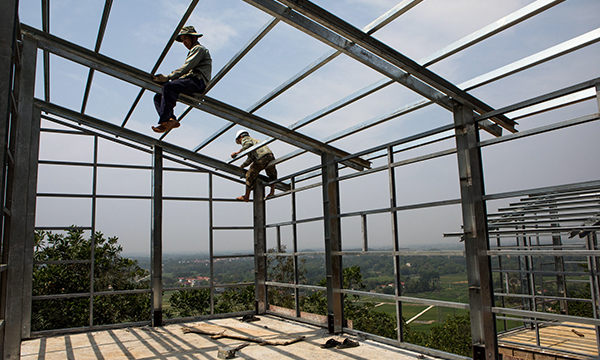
(547, 230)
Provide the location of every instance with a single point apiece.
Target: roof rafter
(142, 79)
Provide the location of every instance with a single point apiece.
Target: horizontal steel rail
(546, 316)
(544, 190)
(544, 252)
(408, 299)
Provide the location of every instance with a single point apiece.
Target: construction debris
(229, 352)
(255, 335)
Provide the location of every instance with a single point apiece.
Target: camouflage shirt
(197, 63)
(254, 155)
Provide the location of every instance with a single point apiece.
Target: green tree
(189, 303)
(281, 269)
(111, 272)
(236, 300)
(453, 336)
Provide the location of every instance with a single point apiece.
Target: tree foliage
(111, 272)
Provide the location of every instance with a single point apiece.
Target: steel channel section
(482, 34)
(388, 54)
(46, 54)
(31, 206)
(396, 241)
(260, 248)
(211, 243)
(479, 272)
(162, 56)
(594, 267)
(378, 24)
(530, 61)
(156, 235)
(349, 48)
(93, 223)
(333, 243)
(543, 56)
(295, 248)
(101, 30)
(140, 78)
(365, 232)
(18, 236)
(143, 139)
(8, 48)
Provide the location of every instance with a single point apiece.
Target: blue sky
(138, 30)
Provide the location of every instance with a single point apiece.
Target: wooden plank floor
(563, 337)
(170, 342)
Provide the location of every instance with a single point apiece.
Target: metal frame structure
(21, 131)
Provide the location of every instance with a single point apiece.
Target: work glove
(160, 78)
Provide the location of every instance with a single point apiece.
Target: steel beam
(314, 66)
(101, 30)
(479, 271)
(350, 48)
(140, 78)
(145, 140)
(432, 83)
(447, 51)
(30, 221)
(260, 248)
(156, 235)
(333, 243)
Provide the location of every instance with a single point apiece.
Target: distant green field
(453, 288)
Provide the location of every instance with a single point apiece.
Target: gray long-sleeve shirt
(197, 63)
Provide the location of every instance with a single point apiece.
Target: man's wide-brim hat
(187, 30)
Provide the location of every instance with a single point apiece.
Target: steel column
(18, 236)
(333, 243)
(260, 248)
(211, 242)
(479, 272)
(295, 248)
(594, 268)
(156, 237)
(396, 241)
(30, 239)
(8, 49)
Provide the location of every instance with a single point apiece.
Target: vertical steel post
(593, 268)
(260, 248)
(93, 237)
(30, 239)
(156, 256)
(365, 232)
(333, 244)
(295, 248)
(396, 242)
(481, 295)
(18, 236)
(211, 242)
(8, 50)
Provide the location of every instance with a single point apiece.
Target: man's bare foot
(269, 195)
(242, 198)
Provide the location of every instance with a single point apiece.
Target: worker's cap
(187, 30)
(240, 133)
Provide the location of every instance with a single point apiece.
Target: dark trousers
(170, 91)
